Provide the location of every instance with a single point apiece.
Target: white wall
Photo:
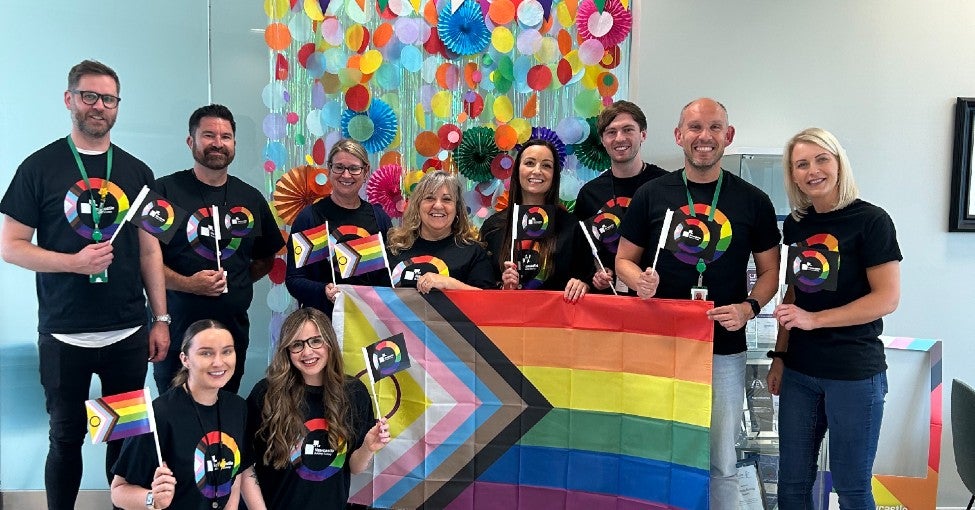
(883, 76)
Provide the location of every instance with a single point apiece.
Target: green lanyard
(96, 210)
(701, 266)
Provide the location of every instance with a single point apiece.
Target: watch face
(149, 499)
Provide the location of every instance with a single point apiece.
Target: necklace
(211, 467)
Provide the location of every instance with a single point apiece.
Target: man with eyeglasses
(622, 129)
(211, 266)
(73, 194)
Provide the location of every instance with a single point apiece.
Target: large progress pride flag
(516, 399)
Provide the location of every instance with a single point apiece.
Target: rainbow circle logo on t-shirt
(692, 250)
(313, 459)
(215, 464)
(77, 207)
(411, 269)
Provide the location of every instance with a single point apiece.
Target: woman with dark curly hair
(310, 426)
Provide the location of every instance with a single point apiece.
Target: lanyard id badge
(96, 208)
(699, 292)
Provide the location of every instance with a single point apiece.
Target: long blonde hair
(283, 412)
(402, 238)
(799, 201)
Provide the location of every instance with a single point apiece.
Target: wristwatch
(168, 319)
(756, 308)
(776, 354)
(150, 501)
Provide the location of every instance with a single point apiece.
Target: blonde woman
(310, 426)
(828, 366)
(345, 211)
(436, 246)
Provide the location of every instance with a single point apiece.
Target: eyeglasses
(90, 98)
(315, 342)
(341, 169)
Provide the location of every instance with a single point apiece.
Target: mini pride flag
(120, 416)
(310, 246)
(386, 357)
(361, 256)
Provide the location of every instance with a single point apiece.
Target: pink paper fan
(383, 188)
(609, 27)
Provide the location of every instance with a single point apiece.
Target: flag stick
(595, 254)
(372, 382)
(152, 421)
(664, 232)
(331, 254)
(215, 216)
(389, 271)
(136, 204)
(514, 230)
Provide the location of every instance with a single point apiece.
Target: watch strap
(776, 354)
(756, 308)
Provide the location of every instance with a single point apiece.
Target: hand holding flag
(595, 254)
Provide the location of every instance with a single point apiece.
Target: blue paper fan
(544, 133)
(383, 126)
(463, 31)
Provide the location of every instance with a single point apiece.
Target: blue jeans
(66, 372)
(852, 411)
(727, 398)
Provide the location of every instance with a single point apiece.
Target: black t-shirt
(864, 236)
(307, 284)
(467, 263)
(318, 477)
(572, 257)
(201, 444)
(747, 225)
(49, 195)
(253, 236)
(604, 193)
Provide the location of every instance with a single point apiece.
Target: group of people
(307, 426)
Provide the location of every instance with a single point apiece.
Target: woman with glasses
(195, 420)
(436, 246)
(348, 217)
(561, 261)
(310, 426)
(828, 367)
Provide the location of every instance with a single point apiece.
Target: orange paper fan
(298, 189)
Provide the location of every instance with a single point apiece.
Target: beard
(214, 158)
(91, 127)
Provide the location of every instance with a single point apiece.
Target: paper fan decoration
(375, 129)
(463, 31)
(590, 151)
(475, 153)
(544, 133)
(383, 188)
(610, 27)
(292, 193)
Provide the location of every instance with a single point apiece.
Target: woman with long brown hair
(310, 426)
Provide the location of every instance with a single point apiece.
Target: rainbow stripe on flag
(518, 399)
(310, 246)
(360, 256)
(120, 416)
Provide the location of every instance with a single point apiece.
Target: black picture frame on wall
(961, 214)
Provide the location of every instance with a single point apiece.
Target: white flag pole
(664, 232)
(152, 424)
(136, 204)
(215, 216)
(595, 254)
(372, 382)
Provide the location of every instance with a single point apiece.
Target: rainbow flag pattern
(120, 416)
(310, 246)
(360, 256)
(520, 400)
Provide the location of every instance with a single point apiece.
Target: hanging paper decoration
(383, 188)
(544, 133)
(463, 31)
(292, 192)
(609, 26)
(591, 152)
(375, 129)
(475, 153)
